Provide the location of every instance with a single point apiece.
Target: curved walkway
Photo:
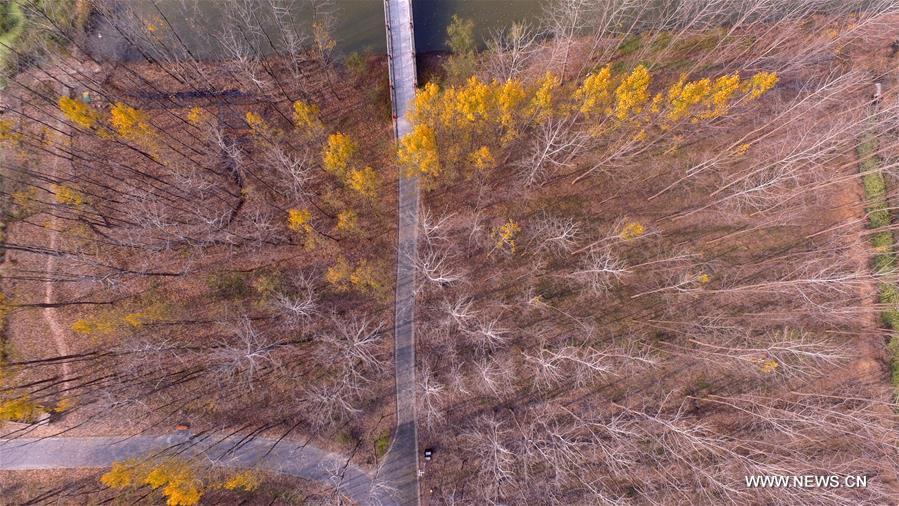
(287, 457)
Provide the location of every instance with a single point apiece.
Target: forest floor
(45, 333)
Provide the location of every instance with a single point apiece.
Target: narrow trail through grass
(884, 260)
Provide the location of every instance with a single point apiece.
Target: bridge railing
(390, 58)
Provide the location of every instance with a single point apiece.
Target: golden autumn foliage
(473, 100)
(425, 103)
(506, 235)
(64, 405)
(769, 366)
(151, 314)
(544, 98)
(129, 122)
(8, 131)
(305, 115)
(702, 99)
(338, 275)
(178, 482)
(722, 93)
(347, 221)
(67, 195)
(631, 231)
(177, 479)
(705, 98)
(594, 94)
(339, 154)
(760, 83)
(367, 279)
(110, 322)
(363, 181)
(482, 158)
(255, 122)
(323, 40)
(20, 409)
(79, 112)
(120, 475)
(246, 480)
(196, 115)
(298, 220)
(96, 326)
(632, 93)
(418, 151)
(5, 307)
(469, 125)
(510, 96)
(362, 277)
(683, 95)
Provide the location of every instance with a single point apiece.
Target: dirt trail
(56, 329)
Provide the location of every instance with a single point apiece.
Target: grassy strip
(13, 21)
(28, 38)
(883, 242)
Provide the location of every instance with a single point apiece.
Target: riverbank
(11, 25)
(22, 39)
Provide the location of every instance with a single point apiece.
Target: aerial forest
(655, 252)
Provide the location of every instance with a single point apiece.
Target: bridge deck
(401, 465)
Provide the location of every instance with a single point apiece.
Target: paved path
(401, 462)
(287, 457)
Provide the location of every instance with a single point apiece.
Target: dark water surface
(359, 25)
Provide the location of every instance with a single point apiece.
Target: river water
(359, 23)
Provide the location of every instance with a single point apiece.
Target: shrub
(382, 444)
(228, 285)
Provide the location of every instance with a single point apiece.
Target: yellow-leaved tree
(132, 124)
(8, 131)
(245, 480)
(426, 105)
(760, 83)
(594, 94)
(196, 116)
(300, 220)
(110, 322)
(631, 231)
(510, 95)
(79, 112)
(543, 104)
(471, 125)
(473, 102)
(705, 98)
(67, 195)
(363, 181)
(20, 408)
(418, 152)
(506, 236)
(347, 221)
(176, 477)
(339, 154)
(362, 277)
(482, 158)
(305, 116)
(632, 93)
